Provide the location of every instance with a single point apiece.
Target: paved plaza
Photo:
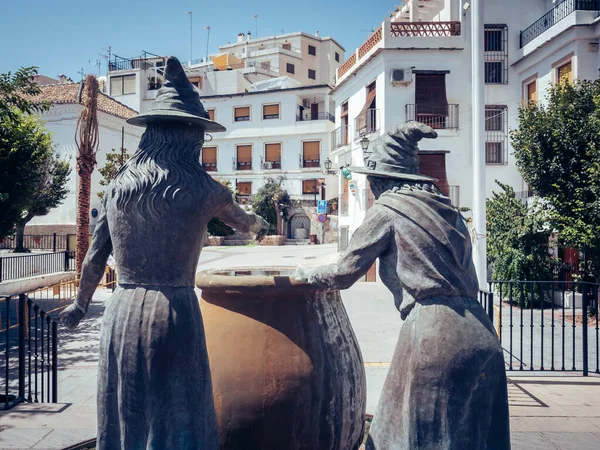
(560, 412)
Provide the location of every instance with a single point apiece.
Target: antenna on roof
(255, 17)
(81, 73)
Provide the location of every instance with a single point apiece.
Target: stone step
(297, 242)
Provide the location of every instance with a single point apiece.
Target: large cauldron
(286, 368)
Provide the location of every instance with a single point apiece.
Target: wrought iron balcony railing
(439, 116)
(555, 15)
(367, 122)
(339, 136)
(309, 115)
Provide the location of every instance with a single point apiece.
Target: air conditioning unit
(401, 76)
(268, 165)
(305, 102)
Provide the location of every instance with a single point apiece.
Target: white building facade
(417, 66)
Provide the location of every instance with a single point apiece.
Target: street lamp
(364, 143)
(327, 165)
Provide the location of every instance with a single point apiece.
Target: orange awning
(226, 61)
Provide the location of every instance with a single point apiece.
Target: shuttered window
(244, 153)
(196, 81)
(365, 118)
(272, 152)
(309, 186)
(434, 166)
(565, 73)
(310, 153)
(242, 114)
(289, 67)
(122, 85)
(209, 158)
(244, 187)
(271, 111)
(312, 74)
(211, 113)
(430, 94)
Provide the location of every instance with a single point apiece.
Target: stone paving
(550, 412)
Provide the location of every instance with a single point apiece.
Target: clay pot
(286, 368)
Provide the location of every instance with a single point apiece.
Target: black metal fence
(546, 326)
(440, 116)
(30, 352)
(24, 266)
(555, 15)
(54, 242)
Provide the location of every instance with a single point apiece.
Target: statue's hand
(71, 316)
(264, 229)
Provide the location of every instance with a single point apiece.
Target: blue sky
(64, 36)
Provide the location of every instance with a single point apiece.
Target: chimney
(249, 35)
(317, 33)
(240, 37)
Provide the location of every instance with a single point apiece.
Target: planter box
(214, 241)
(273, 240)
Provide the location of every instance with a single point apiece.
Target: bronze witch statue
(446, 387)
(154, 383)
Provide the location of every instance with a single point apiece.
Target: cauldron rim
(220, 280)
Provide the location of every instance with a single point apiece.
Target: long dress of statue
(154, 384)
(446, 387)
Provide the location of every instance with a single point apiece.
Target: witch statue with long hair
(446, 387)
(154, 384)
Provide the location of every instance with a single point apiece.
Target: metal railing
(15, 267)
(440, 116)
(145, 61)
(210, 167)
(547, 325)
(242, 165)
(30, 352)
(426, 29)
(309, 163)
(365, 123)
(555, 15)
(339, 136)
(54, 242)
(308, 115)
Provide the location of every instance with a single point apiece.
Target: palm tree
(86, 138)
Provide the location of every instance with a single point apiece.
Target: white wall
(61, 121)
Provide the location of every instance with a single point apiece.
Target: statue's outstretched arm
(235, 216)
(373, 238)
(92, 270)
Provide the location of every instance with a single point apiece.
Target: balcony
(210, 167)
(271, 165)
(309, 115)
(309, 163)
(339, 136)
(555, 15)
(242, 165)
(439, 116)
(425, 29)
(365, 123)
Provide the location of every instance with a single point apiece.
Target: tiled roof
(68, 93)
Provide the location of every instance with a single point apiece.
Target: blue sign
(322, 207)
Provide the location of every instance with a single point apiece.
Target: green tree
(518, 239)
(270, 200)
(50, 190)
(114, 161)
(557, 149)
(18, 92)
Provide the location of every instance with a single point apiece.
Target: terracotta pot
(286, 368)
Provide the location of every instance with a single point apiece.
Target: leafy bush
(270, 199)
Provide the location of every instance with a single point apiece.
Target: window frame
(316, 187)
(496, 55)
(214, 113)
(280, 154)
(122, 78)
(235, 118)
(304, 166)
(337, 57)
(496, 136)
(288, 66)
(237, 162)
(557, 65)
(215, 169)
(313, 48)
(264, 117)
(314, 72)
(237, 183)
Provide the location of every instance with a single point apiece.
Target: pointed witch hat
(177, 101)
(396, 154)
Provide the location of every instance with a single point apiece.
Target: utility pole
(207, 28)
(189, 13)
(478, 120)
(255, 17)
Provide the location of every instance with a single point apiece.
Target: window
(244, 187)
(531, 91)
(309, 187)
(312, 50)
(496, 137)
(242, 113)
(337, 57)
(496, 54)
(244, 157)
(289, 67)
(312, 74)
(122, 85)
(366, 121)
(272, 156)
(286, 46)
(196, 81)
(209, 159)
(271, 111)
(564, 74)
(311, 154)
(430, 99)
(211, 113)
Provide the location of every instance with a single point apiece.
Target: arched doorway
(299, 227)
